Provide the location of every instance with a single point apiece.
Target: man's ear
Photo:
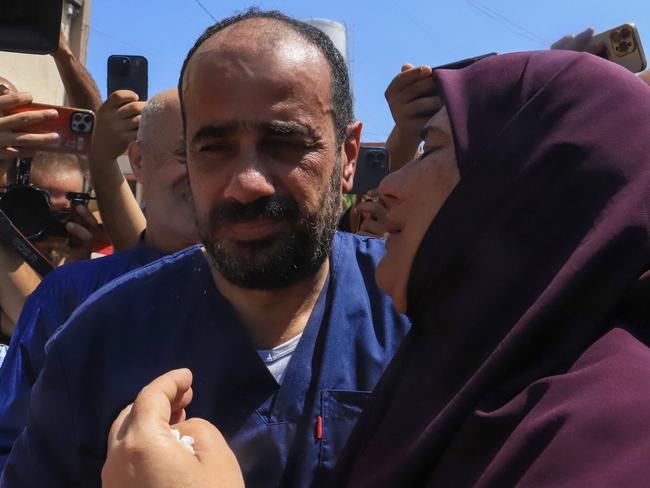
(349, 154)
(135, 158)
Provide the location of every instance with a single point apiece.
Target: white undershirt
(277, 359)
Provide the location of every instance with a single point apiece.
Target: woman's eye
(425, 151)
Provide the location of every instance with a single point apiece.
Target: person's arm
(117, 126)
(79, 85)
(140, 438)
(17, 282)
(413, 100)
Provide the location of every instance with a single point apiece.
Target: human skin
(414, 195)
(267, 130)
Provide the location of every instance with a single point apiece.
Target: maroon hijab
(526, 364)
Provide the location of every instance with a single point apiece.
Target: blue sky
(383, 34)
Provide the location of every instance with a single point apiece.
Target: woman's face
(414, 195)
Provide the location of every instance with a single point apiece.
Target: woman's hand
(143, 453)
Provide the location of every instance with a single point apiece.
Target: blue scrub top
(170, 315)
(46, 309)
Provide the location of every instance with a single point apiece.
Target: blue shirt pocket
(340, 410)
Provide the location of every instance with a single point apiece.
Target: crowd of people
(483, 323)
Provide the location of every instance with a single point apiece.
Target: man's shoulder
(123, 299)
(361, 248)
(97, 271)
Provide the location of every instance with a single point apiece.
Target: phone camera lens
(81, 127)
(87, 119)
(626, 33)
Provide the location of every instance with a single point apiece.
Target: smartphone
(127, 72)
(621, 45)
(75, 127)
(464, 63)
(373, 164)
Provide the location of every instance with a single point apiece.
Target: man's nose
(250, 181)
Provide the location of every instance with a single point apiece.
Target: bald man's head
(266, 30)
(160, 121)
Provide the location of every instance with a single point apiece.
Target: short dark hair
(343, 113)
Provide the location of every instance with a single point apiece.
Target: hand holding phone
(61, 129)
(16, 140)
(620, 45)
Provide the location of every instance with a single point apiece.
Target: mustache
(273, 207)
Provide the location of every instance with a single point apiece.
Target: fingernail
(52, 113)
(3, 88)
(69, 226)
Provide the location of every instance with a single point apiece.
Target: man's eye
(216, 147)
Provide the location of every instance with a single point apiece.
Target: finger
(20, 140)
(178, 416)
(131, 109)
(121, 97)
(375, 210)
(88, 220)
(425, 106)
(425, 87)
(581, 41)
(14, 99)
(79, 231)
(19, 120)
(372, 228)
(134, 123)
(406, 78)
(166, 394)
(118, 428)
(406, 67)
(563, 43)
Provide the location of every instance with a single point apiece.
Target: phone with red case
(75, 127)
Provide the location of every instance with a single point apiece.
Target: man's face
(163, 174)
(262, 158)
(57, 184)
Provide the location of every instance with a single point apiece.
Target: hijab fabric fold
(526, 364)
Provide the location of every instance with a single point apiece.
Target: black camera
(30, 210)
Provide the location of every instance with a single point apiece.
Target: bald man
(157, 158)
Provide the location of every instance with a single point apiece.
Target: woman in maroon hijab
(518, 246)
(525, 365)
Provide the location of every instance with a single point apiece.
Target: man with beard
(279, 318)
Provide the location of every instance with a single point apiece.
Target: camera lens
(625, 33)
(88, 119)
(122, 65)
(81, 127)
